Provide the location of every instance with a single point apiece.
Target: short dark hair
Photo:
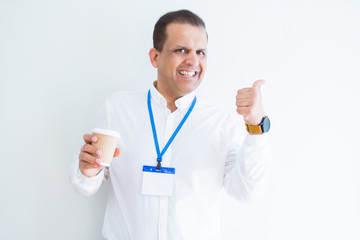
(182, 16)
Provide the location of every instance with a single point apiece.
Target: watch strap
(263, 127)
(256, 129)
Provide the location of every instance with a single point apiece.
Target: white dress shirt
(207, 154)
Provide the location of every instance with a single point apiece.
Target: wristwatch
(263, 127)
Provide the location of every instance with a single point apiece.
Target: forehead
(185, 35)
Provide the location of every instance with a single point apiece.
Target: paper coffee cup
(107, 141)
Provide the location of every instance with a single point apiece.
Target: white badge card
(158, 182)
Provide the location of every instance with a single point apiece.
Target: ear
(154, 54)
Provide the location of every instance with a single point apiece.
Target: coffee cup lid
(106, 132)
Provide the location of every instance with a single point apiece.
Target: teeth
(187, 73)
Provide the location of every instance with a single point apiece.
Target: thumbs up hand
(249, 104)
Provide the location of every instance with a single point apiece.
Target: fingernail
(98, 152)
(98, 161)
(94, 138)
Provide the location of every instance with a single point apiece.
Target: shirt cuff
(257, 140)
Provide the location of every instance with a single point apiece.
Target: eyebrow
(179, 46)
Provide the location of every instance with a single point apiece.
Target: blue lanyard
(160, 154)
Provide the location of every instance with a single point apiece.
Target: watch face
(265, 124)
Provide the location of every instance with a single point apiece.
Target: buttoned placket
(166, 159)
(163, 205)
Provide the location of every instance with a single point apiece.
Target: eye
(201, 53)
(181, 50)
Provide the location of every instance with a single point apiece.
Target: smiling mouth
(188, 73)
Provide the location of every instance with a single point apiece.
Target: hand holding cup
(97, 152)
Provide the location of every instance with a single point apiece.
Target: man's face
(182, 62)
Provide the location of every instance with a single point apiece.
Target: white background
(60, 59)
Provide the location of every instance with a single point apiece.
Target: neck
(171, 106)
(170, 98)
(170, 101)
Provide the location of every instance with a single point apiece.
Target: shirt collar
(180, 103)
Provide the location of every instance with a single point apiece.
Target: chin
(188, 88)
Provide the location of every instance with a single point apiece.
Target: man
(205, 150)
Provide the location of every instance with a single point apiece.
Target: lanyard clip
(158, 167)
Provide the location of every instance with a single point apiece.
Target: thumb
(258, 83)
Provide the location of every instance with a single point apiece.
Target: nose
(192, 59)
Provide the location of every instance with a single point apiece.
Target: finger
(91, 150)
(88, 138)
(244, 90)
(85, 167)
(245, 102)
(243, 96)
(245, 93)
(90, 159)
(258, 83)
(117, 152)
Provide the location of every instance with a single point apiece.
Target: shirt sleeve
(247, 167)
(84, 185)
(89, 185)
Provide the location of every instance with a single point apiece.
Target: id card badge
(158, 182)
